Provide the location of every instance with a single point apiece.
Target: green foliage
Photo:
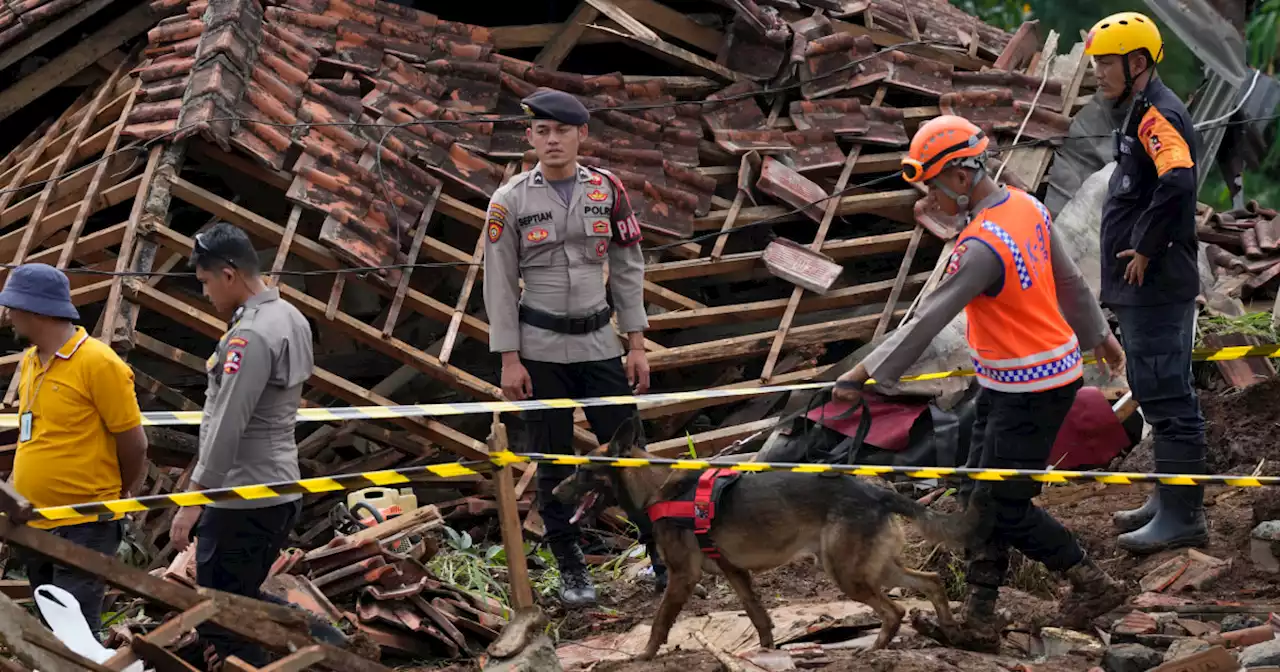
(1262, 34)
(1253, 324)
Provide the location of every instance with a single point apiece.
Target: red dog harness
(699, 511)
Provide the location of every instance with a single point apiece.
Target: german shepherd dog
(766, 520)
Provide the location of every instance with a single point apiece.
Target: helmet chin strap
(963, 201)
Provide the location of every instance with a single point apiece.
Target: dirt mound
(1241, 427)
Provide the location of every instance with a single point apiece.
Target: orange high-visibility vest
(1019, 338)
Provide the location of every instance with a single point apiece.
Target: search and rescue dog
(759, 521)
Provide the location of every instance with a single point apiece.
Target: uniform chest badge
(597, 195)
(600, 226)
(596, 180)
(602, 248)
(537, 235)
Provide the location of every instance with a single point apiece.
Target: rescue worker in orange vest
(1030, 314)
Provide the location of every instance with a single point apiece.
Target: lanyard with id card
(26, 421)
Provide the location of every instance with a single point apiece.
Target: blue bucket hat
(40, 289)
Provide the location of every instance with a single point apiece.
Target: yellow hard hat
(1123, 33)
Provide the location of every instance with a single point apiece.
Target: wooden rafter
(95, 183)
(821, 237)
(126, 245)
(557, 48)
(393, 312)
(130, 24)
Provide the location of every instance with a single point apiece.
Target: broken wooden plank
(263, 623)
(558, 47)
(745, 261)
(673, 54)
(113, 308)
(755, 344)
(282, 252)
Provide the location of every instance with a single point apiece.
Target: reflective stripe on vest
(1019, 340)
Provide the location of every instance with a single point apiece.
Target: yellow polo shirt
(78, 401)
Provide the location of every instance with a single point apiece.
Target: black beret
(556, 105)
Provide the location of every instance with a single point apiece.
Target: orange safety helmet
(938, 142)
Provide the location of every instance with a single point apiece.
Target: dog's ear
(627, 437)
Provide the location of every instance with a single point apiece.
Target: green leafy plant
(1253, 324)
(471, 567)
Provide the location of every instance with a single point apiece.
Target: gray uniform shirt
(251, 405)
(559, 249)
(977, 271)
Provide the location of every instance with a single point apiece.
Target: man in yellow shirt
(80, 436)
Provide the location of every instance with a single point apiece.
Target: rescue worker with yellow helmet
(1030, 315)
(1150, 278)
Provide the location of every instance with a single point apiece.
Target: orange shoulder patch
(1163, 143)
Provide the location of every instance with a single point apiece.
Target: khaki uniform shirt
(559, 249)
(251, 405)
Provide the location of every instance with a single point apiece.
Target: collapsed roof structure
(358, 141)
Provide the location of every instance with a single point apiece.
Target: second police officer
(555, 227)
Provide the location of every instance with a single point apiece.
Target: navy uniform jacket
(1151, 204)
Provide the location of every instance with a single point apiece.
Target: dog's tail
(953, 529)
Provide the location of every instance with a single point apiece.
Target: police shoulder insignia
(597, 195)
(237, 342)
(537, 234)
(953, 264)
(234, 355)
(495, 230)
(498, 212)
(596, 179)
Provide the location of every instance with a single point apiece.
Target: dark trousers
(1158, 341)
(236, 548)
(1016, 431)
(552, 432)
(103, 537)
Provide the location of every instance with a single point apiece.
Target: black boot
(576, 589)
(1128, 521)
(980, 627)
(1179, 522)
(1093, 593)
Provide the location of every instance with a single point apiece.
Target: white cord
(1237, 108)
(1048, 70)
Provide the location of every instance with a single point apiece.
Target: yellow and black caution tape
(392, 477)
(342, 413)
(306, 486)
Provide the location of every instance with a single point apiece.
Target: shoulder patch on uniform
(1163, 143)
(237, 342)
(234, 356)
(596, 180)
(495, 230)
(953, 264)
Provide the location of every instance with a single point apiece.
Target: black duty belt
(565, 325)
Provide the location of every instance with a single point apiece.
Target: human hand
(638, 370)
(849, 386)
(1110, 357)
(516, 383)
(1136, 272)
(183, 523)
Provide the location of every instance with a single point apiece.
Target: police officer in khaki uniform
(247, 431)
(555, 227)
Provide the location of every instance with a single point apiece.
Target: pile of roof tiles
(1243, 247)
(379, 585)
(20, 18)
(246, 76)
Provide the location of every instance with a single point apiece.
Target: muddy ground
(1241, 426)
